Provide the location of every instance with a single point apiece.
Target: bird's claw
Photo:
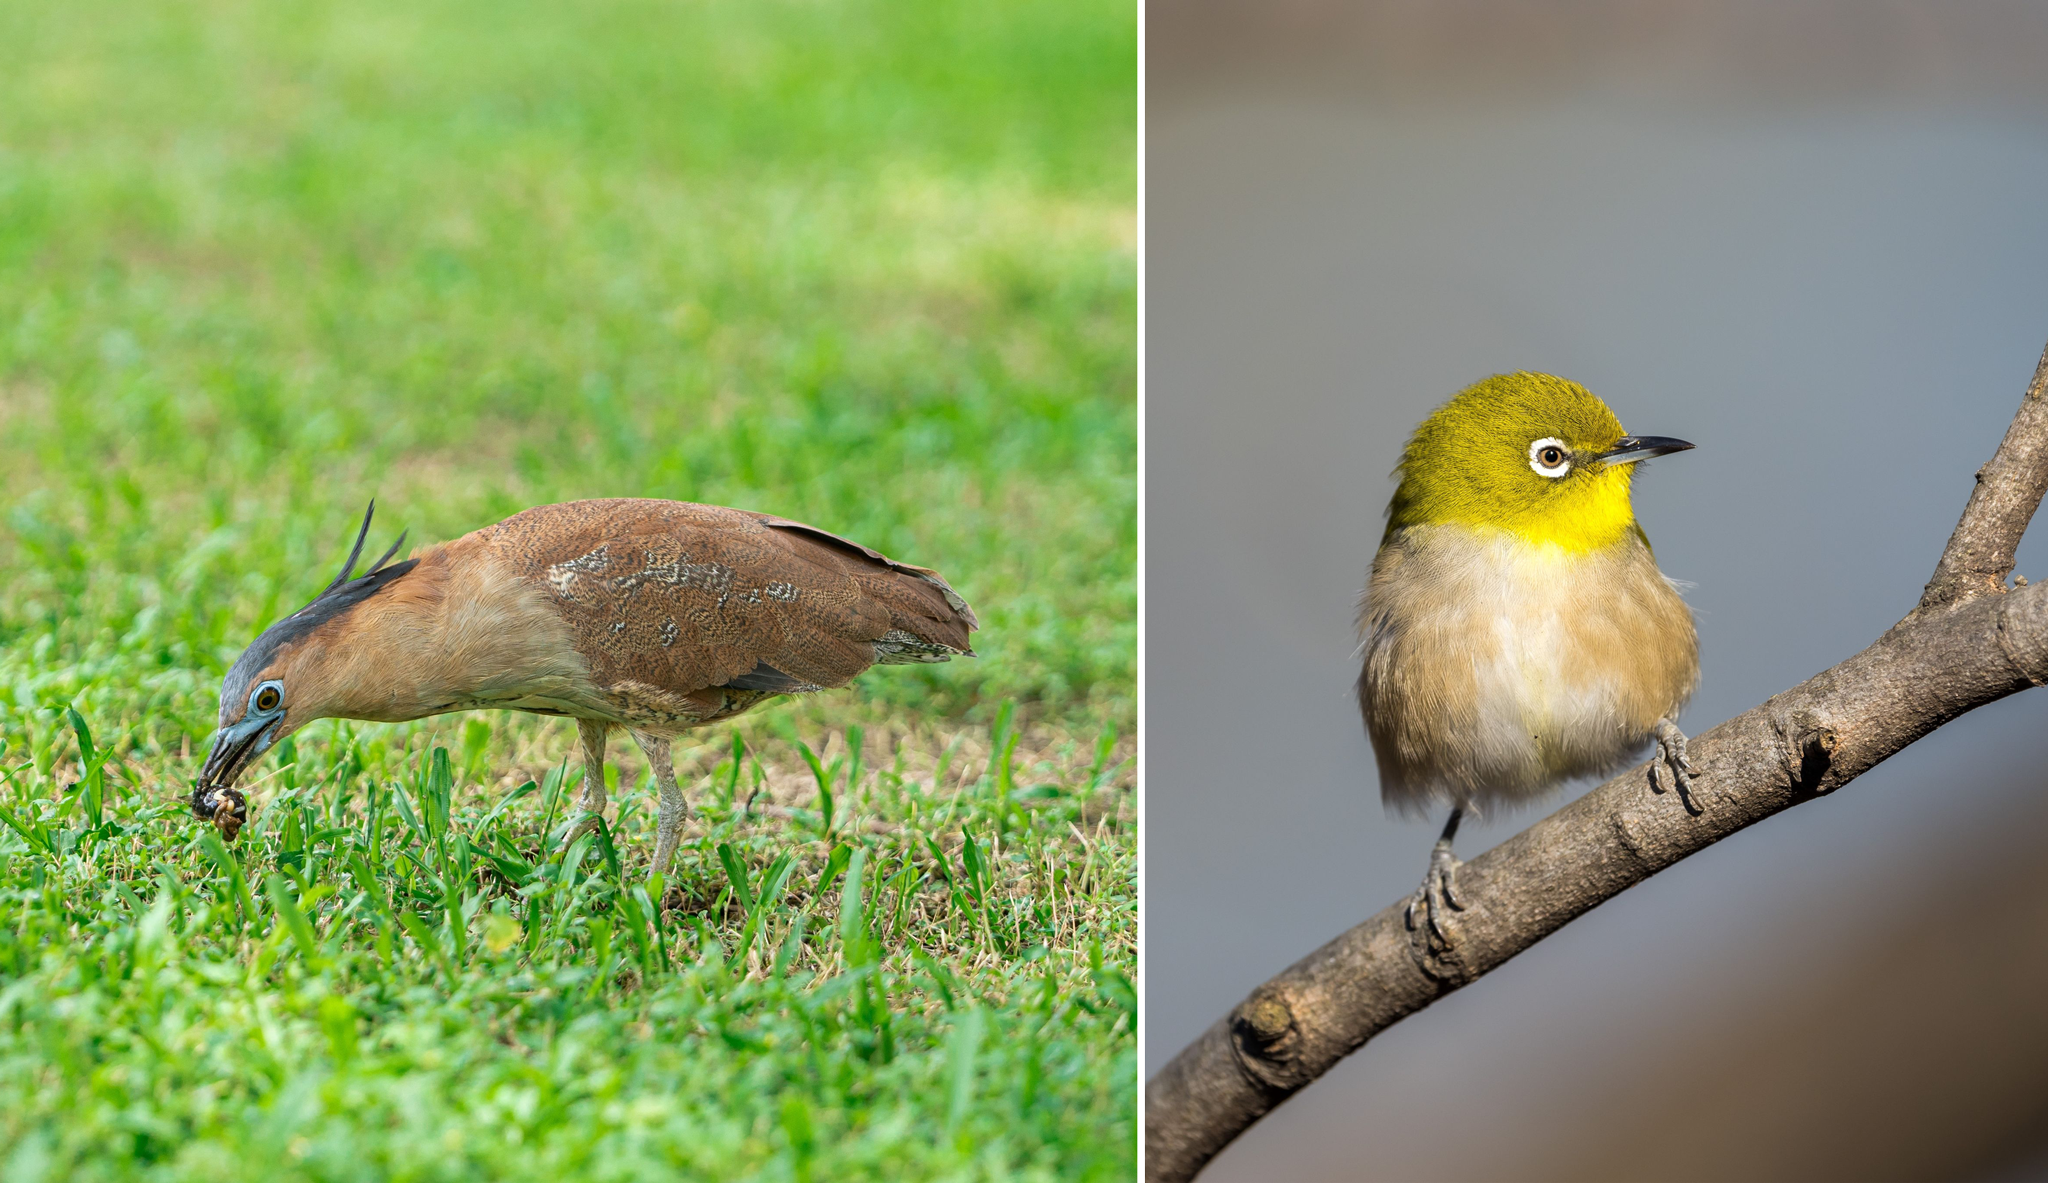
(1671, 756)
(1437, 898)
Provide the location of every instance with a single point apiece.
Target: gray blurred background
(1811, 238)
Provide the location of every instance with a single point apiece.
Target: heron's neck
(460, 630)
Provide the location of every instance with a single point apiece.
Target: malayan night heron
(654, 616)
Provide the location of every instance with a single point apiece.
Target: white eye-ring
(1550, 458)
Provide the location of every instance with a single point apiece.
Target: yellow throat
(1531, 454)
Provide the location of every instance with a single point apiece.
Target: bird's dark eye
(1550, 457)
(268, 698)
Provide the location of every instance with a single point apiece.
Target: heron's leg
(592, 801)
(668, 831)
(1438, 895)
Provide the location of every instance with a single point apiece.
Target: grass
(868, 265)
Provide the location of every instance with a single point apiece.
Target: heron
(652, 616)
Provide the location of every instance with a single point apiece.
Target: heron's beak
(215, 797)
(1631, 448)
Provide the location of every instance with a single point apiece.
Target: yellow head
(1531, 454)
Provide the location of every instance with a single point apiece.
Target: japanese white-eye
(1516, 632)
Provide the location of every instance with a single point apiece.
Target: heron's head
(258, 706)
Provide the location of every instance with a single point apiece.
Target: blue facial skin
(234, 746)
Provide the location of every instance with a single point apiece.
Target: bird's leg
(1438, 894)
(668, 832)
(1671, 754)
(592, 802)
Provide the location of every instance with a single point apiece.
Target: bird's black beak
(1631, 448)
(215, 797)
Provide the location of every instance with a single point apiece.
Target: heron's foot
(668, 831)
(582, 825)
(1671, 759)
(1436, 899)
(664, 850)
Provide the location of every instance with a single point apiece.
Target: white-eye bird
(1516, 632)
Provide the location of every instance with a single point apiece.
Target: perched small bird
(1516, 632)
(655, 616)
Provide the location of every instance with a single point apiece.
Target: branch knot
(1267, 1039)
(1809, 749)
(1627, 826)
(2023, 632)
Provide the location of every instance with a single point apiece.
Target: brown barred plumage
(655, 616)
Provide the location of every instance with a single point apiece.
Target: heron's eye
(1550, 458)
(267, 699)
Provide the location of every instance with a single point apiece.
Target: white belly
(1496, 668)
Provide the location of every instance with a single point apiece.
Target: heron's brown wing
(682, 597)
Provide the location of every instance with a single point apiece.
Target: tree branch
(1979, 554)
(1969, 642)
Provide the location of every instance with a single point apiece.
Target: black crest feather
(347, 590)
(356, 552)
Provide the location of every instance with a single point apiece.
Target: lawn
(866, 265)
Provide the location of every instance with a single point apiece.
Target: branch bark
(1979, 554)
(1970, 641)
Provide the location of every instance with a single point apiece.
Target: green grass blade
(835, 863)
(963, 1050)
(852, 925)
(824, 780)
(32, 832)
(292, 917)
(736, 876)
